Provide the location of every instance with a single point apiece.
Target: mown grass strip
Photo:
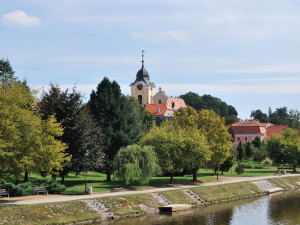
(226, 191)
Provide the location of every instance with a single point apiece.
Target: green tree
(209, 102)
(241, 151)
(81, 135)
(285, 148)
(168, 145)
(257, 143)
(275, 149)
(212, 127)
(6, 70)
(122, 119)
(136, 163)
(28, 142)
(259, 115)
(259, 154)
(226, 165)
(249, 150)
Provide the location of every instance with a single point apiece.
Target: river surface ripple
(280, 209)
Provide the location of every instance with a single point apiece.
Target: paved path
(37, 199)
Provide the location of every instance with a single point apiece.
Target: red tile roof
(178, 103)
(275, 129)
(153, 109)
(247, 123)
(249, 130)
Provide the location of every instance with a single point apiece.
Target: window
(246, 138)
(159, 101)
(140, 99)
(238, 138)
(173, 105)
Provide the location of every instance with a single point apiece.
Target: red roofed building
(246, 131)
(159, 104)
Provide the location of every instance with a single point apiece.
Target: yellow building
(142, 88)
(160, 105)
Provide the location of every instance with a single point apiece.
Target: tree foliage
(241, 151)
(281, 116)
(209, 102)
(27, 143)
(249, 150)
(212, 127)
(81, 135)
(285, 148)
(6, 70)
(259, 115)
(136, 163)
(122, 119)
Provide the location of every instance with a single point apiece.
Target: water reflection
(283, 208)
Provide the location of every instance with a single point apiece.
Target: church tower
(142, 88)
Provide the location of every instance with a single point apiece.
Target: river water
(280, 209)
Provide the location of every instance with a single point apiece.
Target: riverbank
(122, 205)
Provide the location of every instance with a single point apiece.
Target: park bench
(117, 189)
(40, 190)
(285, 167)
(3, 192)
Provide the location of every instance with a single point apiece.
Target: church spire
(143, 58)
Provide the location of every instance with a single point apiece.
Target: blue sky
(246, 52)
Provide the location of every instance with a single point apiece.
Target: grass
(50, 213)
(76, 183)
(226, 191)
(130, 204)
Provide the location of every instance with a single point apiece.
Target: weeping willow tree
(136, 164)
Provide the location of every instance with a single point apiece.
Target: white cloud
(20, 19)
(158, 37)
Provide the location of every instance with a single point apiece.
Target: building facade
(247, 131)
(160, 105)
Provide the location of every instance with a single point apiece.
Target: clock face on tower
(139, 86)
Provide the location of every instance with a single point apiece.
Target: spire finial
(143, 57)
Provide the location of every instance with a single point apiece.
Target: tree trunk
(62, 177)
(294, 169)
(195, 175)
(218, 175)
(26, 176)
(17, 181)
(108, 176)
(172, 178)
(53, 176)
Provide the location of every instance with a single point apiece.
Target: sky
(245, 52)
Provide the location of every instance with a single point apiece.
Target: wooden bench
(117, 189)
(3, 192)
(40, 190)
(285, 167)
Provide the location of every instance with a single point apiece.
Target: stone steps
(195, 197)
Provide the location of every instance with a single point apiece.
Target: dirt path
(37, 199)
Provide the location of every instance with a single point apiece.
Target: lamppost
(86, 167)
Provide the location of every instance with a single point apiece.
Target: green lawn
(76, 184)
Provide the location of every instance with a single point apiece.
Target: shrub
(239, 169)
(27, 188)
(53, 187)
(268, 161)
(258, 167)
(246, 166)
(11, 188)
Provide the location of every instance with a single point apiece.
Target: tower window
(159, 101)
(140, 99)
